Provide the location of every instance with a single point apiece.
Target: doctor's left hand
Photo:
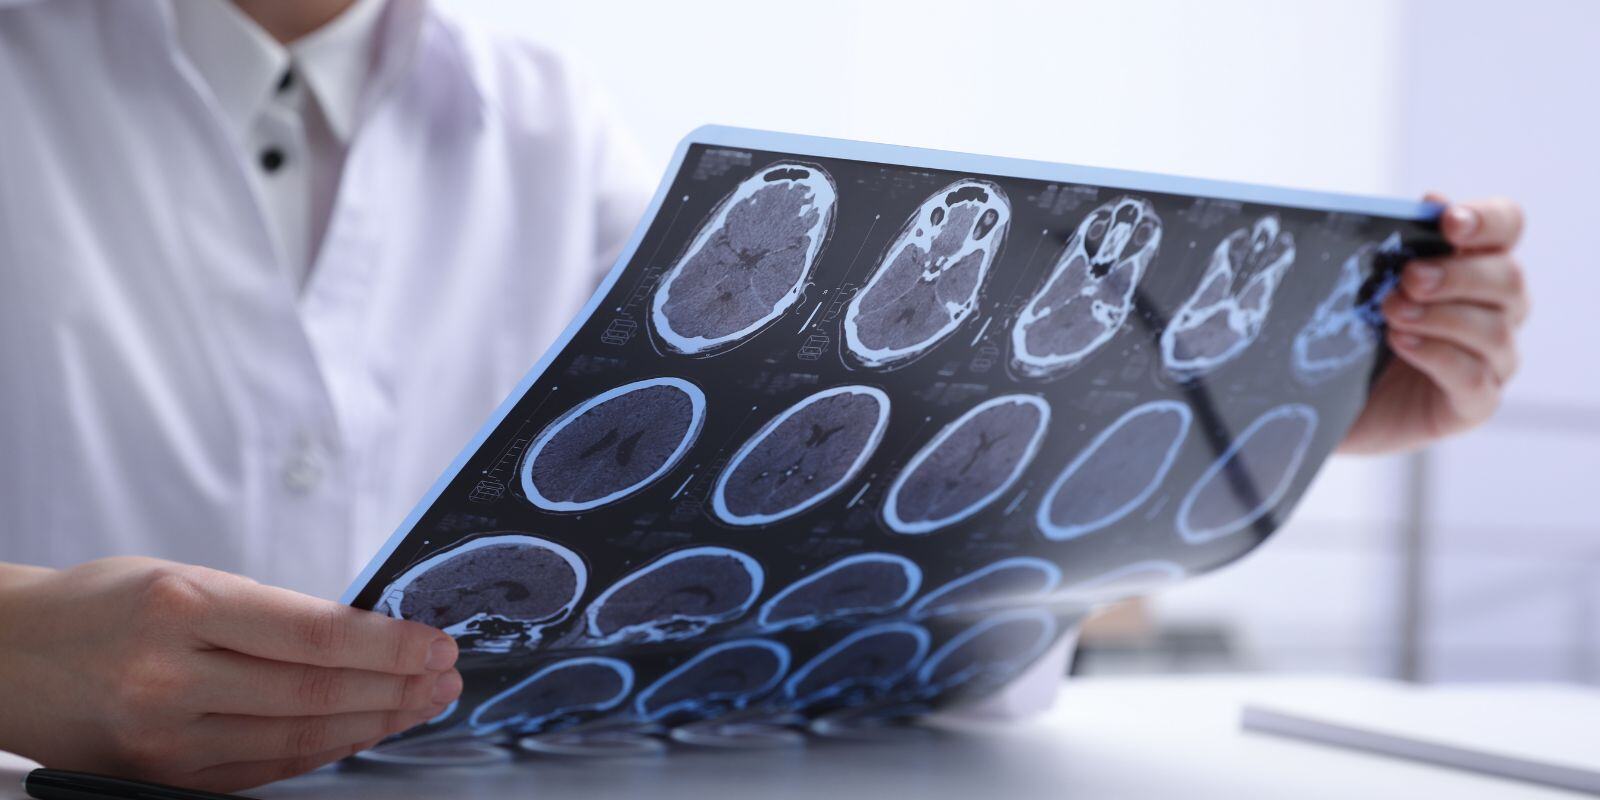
(1453, 325)
(183, 675)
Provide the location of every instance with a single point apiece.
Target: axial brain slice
(1226, 312)
(677, 596)
(1346, 325)
(558, 691)
(749, 263)
(802, 456)
(929, 279)
(1117, 472)
(725, 675)
(968, 465)
(868, 660)
(1247, 481)
(990, 652)
(612, 445)
(1091, 290)
(1005, 582)
(492, 592)
(860, 584)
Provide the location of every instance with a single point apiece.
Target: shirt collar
(338, 62)
(239, 61)
(338, 59)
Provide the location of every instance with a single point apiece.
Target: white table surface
(1105, 739)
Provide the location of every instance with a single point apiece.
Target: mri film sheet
(856, 431)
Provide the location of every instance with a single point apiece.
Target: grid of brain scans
(845, 440)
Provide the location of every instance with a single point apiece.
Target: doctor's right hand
(183, 675)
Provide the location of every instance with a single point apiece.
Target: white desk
(1106, 739)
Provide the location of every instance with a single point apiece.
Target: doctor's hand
(1453, 325)
(183, 675)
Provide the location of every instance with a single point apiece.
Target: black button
(271, 159)
(286, 81)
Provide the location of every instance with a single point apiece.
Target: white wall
(1501, 99)
(1253, 90)
(1301, 94)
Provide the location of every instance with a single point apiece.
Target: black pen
(55, 784)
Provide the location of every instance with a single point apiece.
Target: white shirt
(166, 387)
(292, 108)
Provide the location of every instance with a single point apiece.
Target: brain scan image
(1251, 477)
(613, 444)
(1349, 323)
(968, 465)
(802, 456)
(1091, 290)
(990, 652)
(1226, 312)
(851, 434)
(862, 665)
(930, 277)
(867, 583)
(491, 593)
(749, 264)
(722, 677)
(676, 596)
(554, 694)
(1009, 581)
(1117, 472)
(1124, 581)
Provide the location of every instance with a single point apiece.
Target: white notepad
(1546, 734)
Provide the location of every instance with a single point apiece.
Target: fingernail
(1410, 312)
(447, 688)
(1426, 277)
(1407, 341)
(1463, 219)
(441, 654)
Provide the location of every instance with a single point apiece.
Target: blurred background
(1479, 560)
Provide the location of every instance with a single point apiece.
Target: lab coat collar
(497, 84)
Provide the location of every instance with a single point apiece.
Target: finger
(247, 774)
(1492, 279)
(233, 683)
(1485, 331)
(1466, 381)
(281, 625)
(1482, 224)
(232, 738)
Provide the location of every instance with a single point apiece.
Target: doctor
(264, 266)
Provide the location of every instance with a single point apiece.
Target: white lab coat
(165, 390)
